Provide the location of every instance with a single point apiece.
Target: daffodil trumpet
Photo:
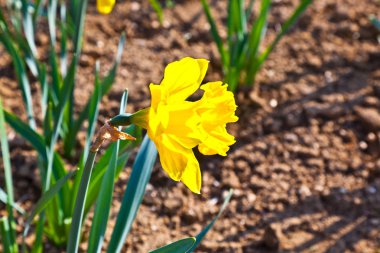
(176, 125)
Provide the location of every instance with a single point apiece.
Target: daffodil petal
(217, 142)
(218, 104)
(182, 78)
(184, 124)
(156, 92)
(192, 176)
(173, 156)
(105, 6)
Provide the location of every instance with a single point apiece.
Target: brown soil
(305, 168)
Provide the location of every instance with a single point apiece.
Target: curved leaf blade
(45, 200)
(141, 171)
(203, 233)
(180, 246)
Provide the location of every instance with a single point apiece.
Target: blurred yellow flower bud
(105, 6)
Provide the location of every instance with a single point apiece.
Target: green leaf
(51, 14)
(141, 171)
(158, 9)
(56, 77)
(103, 205)
(37, 246)
(203, 233)
(93, 111)
(20, 70)
(58, 118)
(215, 34)
(76, 225)
(180, 246)
(45, 200)
(6, 235)
(248, 12)
(4, 197)
(104, 201)
(27, 21)
(256, 35)
(44, 88)
(38, 5)
(110, 77)
(79, 18)
(101, 167)
(6, 159)
(27, 133)
(63, 27)
(7, 175)
(29, 56)
(106, 84)
(284, 29)
(66, 196)
(48, 123)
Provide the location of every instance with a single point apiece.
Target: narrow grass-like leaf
(38, 5)
(79, 19)
(103, 205)
(215, 34)
(44, 88)
(80, 15)
(110, 77)
(158, 9)
(106, 85)
(141, 171)
(73, 9)
(45, 199)
(37, 246)
(4, 197)
(20, 72)
(89, 112)
(97, 176)
(101, 166)
(5, 235)
(93, 111)
(51, 14)
(29, 56)
(76, 225)
(6, 157)
(66, 196)
(180, 246)
(63, 39)
(36, 140)
(257, 33)
(104, 200)
(284, 29)
(8, 176)
(48, 123)
(27, 21)
(64, 96)
(249, 9)
(56, 77)
(203, 233)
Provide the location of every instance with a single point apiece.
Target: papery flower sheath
(105, 6)
(176, 125)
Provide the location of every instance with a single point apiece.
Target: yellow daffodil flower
(105, 6)
(176, 125)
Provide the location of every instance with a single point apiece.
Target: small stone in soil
(272, 237)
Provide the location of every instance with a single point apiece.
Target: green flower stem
(74, 236)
